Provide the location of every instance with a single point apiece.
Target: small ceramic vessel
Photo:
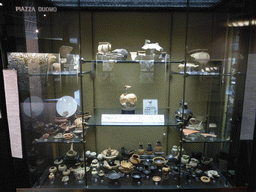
(65, 179)
(66, 172)
(110, 154)
(68, 136)
(62, 167)
(149, 149)
(53, 169)
(156, 179)
(95, 163)
(141, 149)
(71, 152)
(128, 100)
(158, 146)
(51, 177)
(101, 173)
(185, 159)
(135, 159)
(166, 170)
(193, 162)
(205, 179)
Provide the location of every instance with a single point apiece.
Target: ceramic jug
(141, 149)
(158, 146)
(149, 149)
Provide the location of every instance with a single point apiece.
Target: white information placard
(13, 111)
(150, 107)
(131, 119)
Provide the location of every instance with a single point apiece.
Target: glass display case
(127, 100)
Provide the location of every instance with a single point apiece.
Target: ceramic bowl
(159, 161)
(156, 179)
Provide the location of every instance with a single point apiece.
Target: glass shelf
(77, 138)
(198, 73)
(131, 62)
(96, 119)
(206, 140)
(60, 74)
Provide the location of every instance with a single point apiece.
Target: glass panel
(48, 73)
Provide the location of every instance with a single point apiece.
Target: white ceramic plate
(66, 106)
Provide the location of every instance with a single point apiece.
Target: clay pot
(135, 159)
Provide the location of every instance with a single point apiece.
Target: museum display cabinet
(130, 99)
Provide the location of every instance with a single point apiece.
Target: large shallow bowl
(66, 106)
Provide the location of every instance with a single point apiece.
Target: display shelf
(198, 73)
(207, 140)
(64, 73)
(77, 138)
(138, 62)
(168, 181)
(132, 62)
(96, 119)
(44, 181)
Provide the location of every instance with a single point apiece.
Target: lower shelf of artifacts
(138, 171)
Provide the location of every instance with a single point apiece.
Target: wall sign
(35, 9)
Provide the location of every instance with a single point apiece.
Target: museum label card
(13, 111)
(131, 119)
(150, 107)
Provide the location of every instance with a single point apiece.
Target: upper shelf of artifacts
(198, 62)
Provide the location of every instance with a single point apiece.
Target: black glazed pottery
(152, 167)
(137, 175)
(146, 162)
(140, 167)
(112, 175)
(147, 171)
